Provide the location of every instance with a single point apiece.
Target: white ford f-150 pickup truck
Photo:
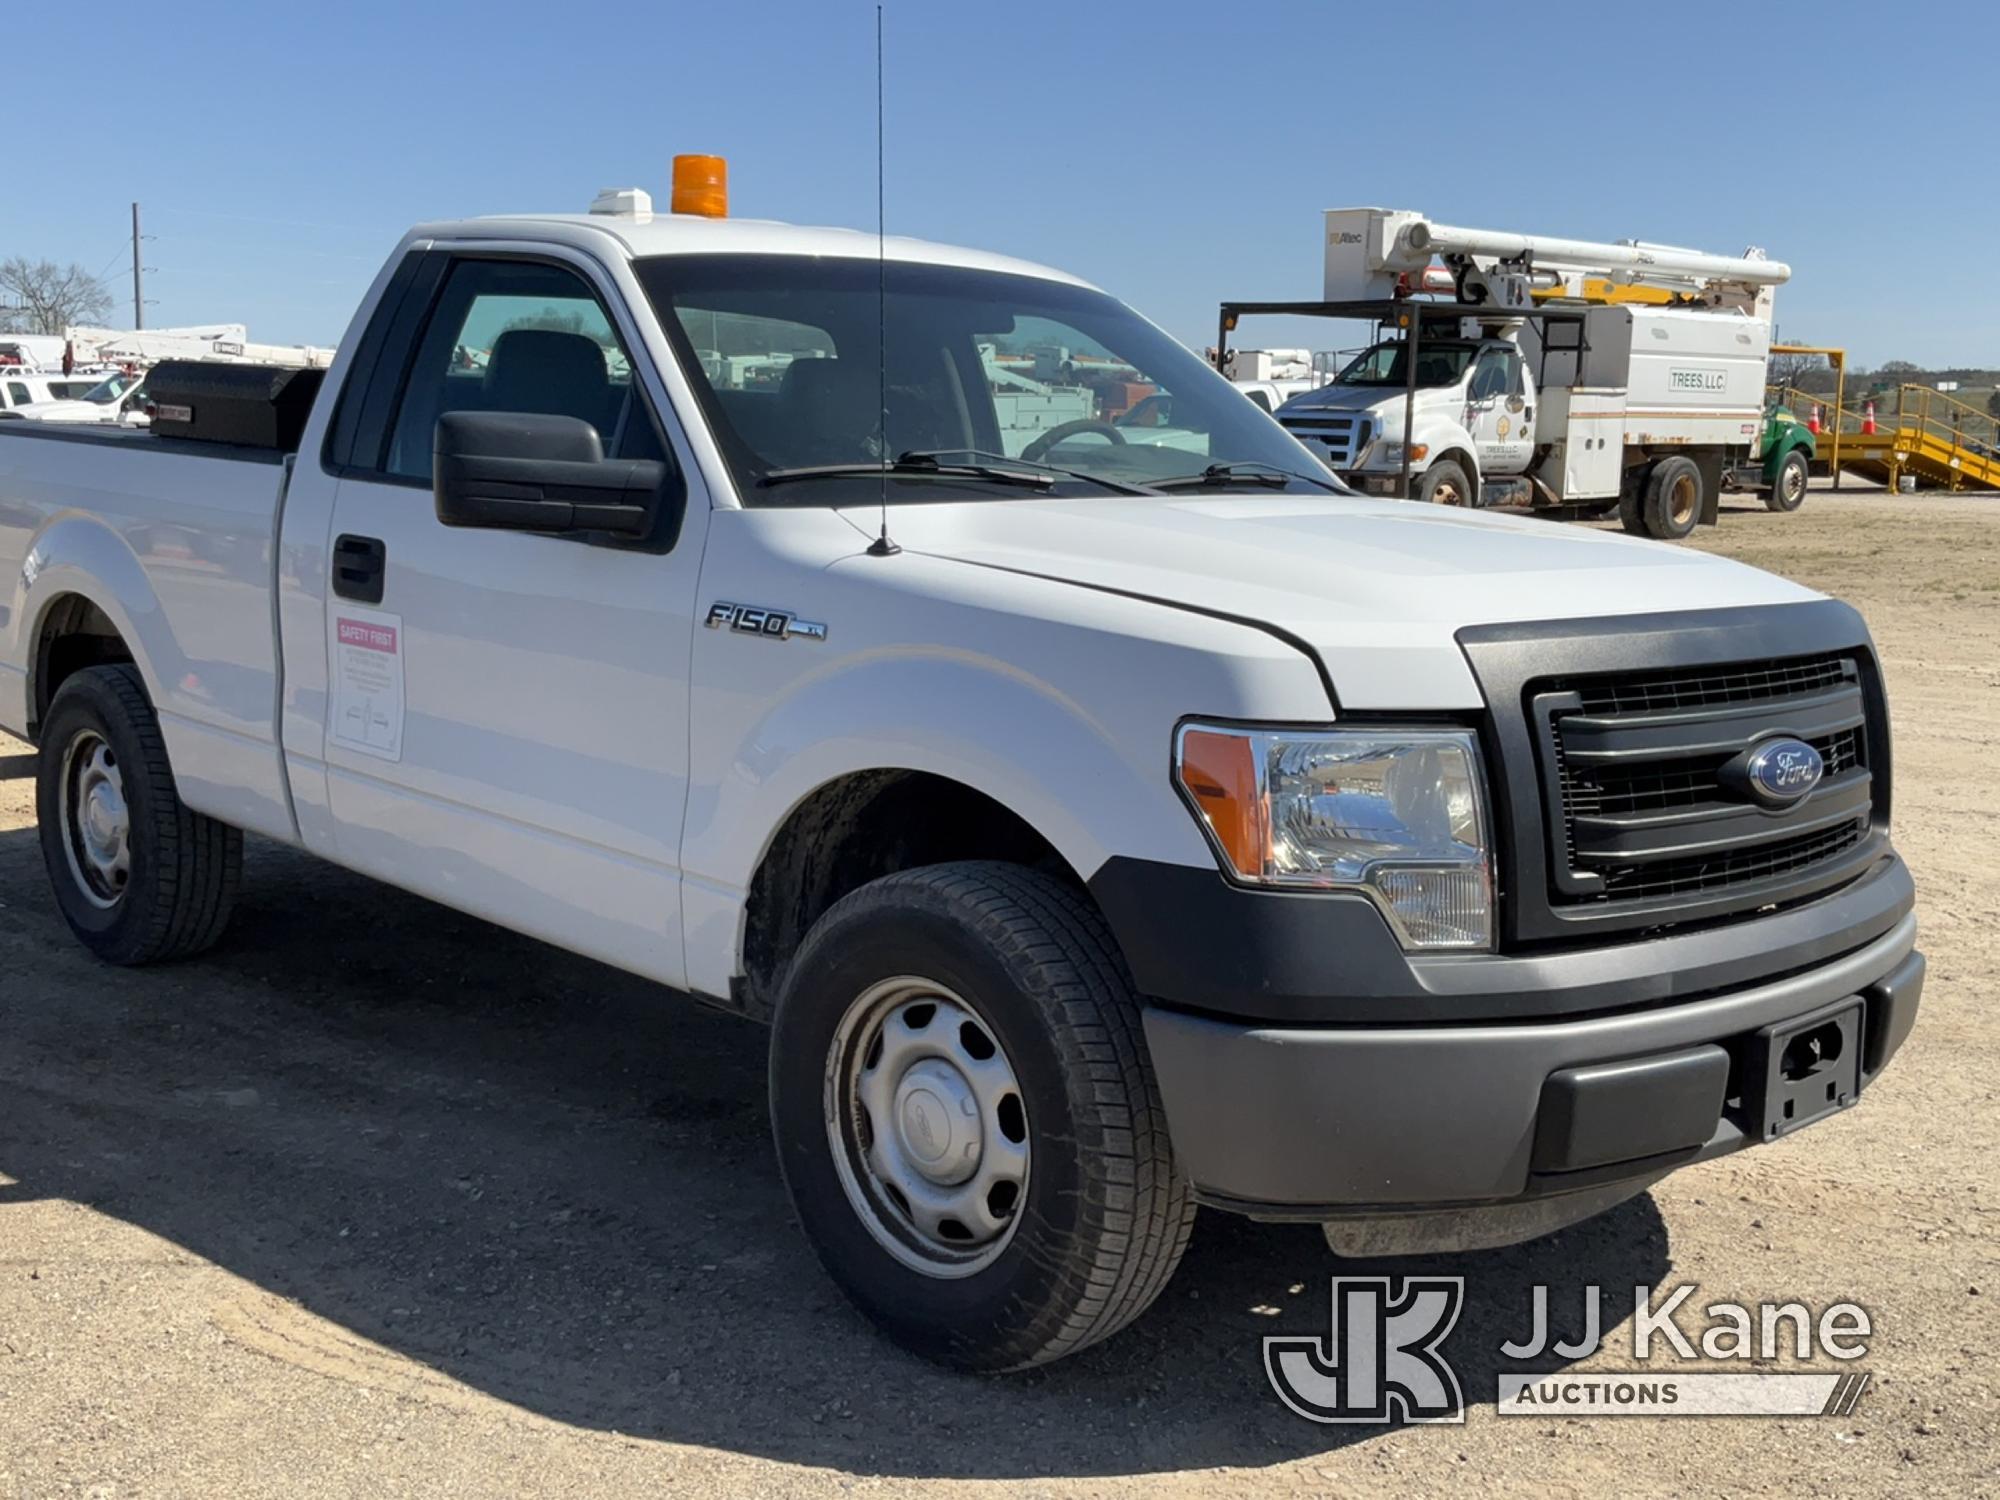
(1104, 827)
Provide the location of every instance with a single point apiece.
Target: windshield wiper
(909, 466)
(1117, 487)
(1246, 471)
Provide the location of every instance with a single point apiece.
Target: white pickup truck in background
(1105, 826)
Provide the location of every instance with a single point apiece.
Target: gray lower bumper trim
(1424, 1116)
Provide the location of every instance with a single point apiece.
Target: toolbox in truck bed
(264, 406)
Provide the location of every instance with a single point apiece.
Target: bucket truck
(1509, 369)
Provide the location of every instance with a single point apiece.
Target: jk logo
(1381, 1361)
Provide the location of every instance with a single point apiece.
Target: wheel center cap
(937, 1122)
(104, 816)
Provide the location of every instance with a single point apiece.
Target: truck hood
(1360, 397)
(1375, 588)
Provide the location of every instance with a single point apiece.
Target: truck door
(1499, 411)
(506, 723)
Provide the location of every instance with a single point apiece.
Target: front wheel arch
(860, 827)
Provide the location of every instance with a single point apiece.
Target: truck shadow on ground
(416, 1135)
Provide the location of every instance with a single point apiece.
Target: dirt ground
(378, 1200)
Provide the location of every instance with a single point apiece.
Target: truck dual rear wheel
(138, 876)
(967, 1119)
(1670, 505)
(1788, 490)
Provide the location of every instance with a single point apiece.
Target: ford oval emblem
(1783, 771)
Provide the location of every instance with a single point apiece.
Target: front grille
(1771, 681)
(1342, 435)
(1615, 754)
(1765, 862)
(1655, 787)
(1647, 814)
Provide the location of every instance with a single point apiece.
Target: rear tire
(1631, 501)
(1788, 490)
(1671, 506)
(887, 1134)
(1445, 483)
(138, 877)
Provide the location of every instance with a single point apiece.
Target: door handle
(359, 564)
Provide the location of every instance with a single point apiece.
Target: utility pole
(138, 284)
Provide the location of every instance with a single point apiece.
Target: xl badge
(1777, 773)
(752, 619)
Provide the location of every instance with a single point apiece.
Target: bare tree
(1792, 369)
(48, 298)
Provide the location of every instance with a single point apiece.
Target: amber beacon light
(701, 186)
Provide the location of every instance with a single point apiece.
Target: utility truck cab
(1104, 826)
(1474, 416)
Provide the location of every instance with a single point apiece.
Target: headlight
(1397, 814)
(1393, 452)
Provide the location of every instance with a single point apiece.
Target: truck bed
(174, 542)
(91, 432)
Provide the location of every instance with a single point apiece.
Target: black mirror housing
(534, 471)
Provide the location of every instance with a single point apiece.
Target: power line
(205, 213)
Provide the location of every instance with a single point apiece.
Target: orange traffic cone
(1868, 419)
(1812, 422)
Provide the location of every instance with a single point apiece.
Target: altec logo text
(1383, 1358)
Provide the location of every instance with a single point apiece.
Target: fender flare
(969, 720)
(75, 556)
(981, 723)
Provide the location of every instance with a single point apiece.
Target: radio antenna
(881, 546)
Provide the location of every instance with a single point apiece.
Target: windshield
(110, 389)
(786, 355)
(1385, 364)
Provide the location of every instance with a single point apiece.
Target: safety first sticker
(367, 687)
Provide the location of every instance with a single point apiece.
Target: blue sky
(1173, 153)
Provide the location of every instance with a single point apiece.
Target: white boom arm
(1373, 253)
(1587, 255)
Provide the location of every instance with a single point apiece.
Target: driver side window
(1490, 377)
(519, 336)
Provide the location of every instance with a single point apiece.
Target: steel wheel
(96, 821)
(1684, 500)
(1788, 490)
(927, 1127)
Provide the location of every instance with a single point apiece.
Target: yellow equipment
(1942, 442)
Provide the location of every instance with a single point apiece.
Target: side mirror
(528, 471)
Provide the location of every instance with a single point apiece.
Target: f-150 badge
(753, 619)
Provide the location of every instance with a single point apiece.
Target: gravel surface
(379, 1200)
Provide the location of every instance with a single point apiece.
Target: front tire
(968, 1121)
(137, 875)
(1445, 483)
(1788, 490)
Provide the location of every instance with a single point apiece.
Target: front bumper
(1384, 482)
(1321, 1122)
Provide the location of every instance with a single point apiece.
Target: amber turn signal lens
(701, 186)
(1220, 773)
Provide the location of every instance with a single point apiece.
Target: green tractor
(1785, 457)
